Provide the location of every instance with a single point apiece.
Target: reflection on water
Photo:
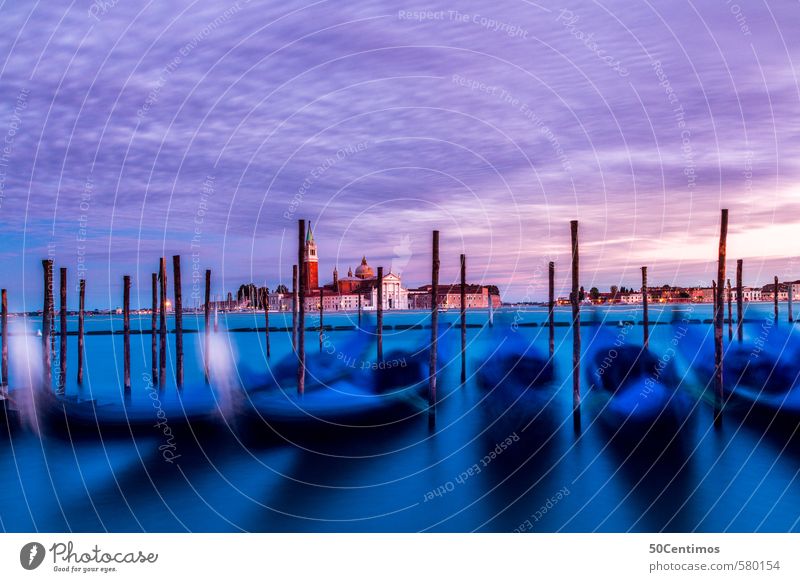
(503, 454)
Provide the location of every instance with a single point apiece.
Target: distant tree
(281, 289)
(614, 290)
(262, 298)
(247, 293)
(581, 294)
(594, 293)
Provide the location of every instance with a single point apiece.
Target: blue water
(503, 454)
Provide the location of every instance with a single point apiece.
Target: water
(502, 456)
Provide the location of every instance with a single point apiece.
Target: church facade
(358, 289)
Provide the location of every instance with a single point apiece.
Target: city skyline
(193, 292)
(380, 125)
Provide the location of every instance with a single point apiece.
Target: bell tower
(312, 261)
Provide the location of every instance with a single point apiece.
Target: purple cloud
(496, 124)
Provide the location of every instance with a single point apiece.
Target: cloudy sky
(135, 129)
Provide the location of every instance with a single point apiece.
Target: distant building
(311, 260)
(631, 298)
(748, 294)
(280, 301)
(703, 295)
(768, 292)
(345, 294)
(361, 286)
(449, 297)
(795, 287)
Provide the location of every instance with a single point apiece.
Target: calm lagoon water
(503, 454)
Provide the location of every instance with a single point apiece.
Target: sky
(132, 130)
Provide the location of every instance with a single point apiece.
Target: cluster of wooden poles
(718, 316)
(719, 297)
(158, 328)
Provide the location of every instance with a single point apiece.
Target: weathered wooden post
(81, 315)
(266, 318)
(576, 328)
(789, 291)
(434, 327)
(551, 304)
(645, 314)
(206, 329)
(739, 301)
(714, 303)
(301, 309)
(775, 298)
(718, 318)
(463, 318)
(126, 327)
(294, 308)
(47, 320)
(162, 355)
(176, 274)
(321, 297)
(730, 311)
(62, 328)
(380, 314)
(153, 331)
(4, 322)
(359, 309)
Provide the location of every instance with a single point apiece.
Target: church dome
(364, 271)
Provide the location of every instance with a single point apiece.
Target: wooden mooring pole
(434, 328)
(81, 315)
(463, 318)
(576, 328)
(719, 313)
(126, 326)
(4, 322)
(730, 311)
(380, 314)
(294, 308)
(206, 321)
(790, 293)
(176, 277)
(775, 297)
(47, 321)
(153, 331)
(739, 302)
(62, 330)
(301, 308)
(645, 314)
(551, 305)
(162, 354)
